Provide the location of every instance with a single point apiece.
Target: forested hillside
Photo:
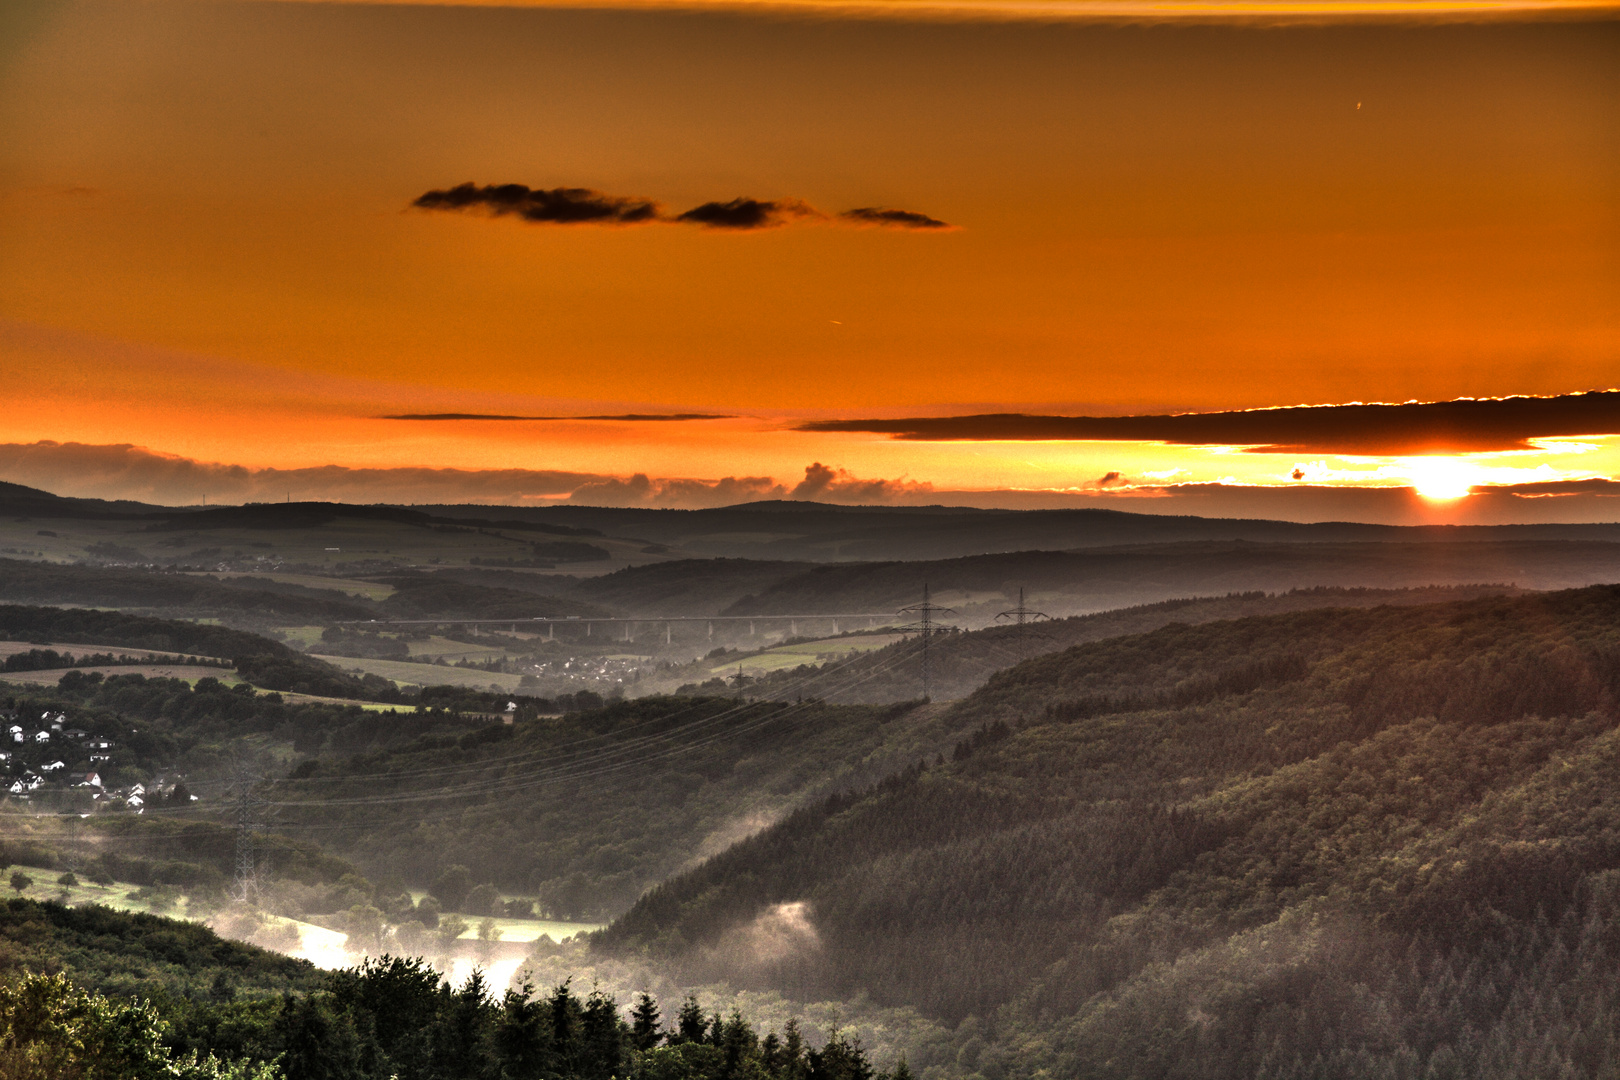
(261, 661)
(827, 533)
(959, 663)
(1340, 843)
(587, 810)
(1096, 579)
(116, 952)
(157, 591)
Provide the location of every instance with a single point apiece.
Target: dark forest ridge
(823, 532)
(780, 529)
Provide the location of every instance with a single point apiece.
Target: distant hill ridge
(790, 530)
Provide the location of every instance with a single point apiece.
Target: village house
(85, 779)
(54, 766)
(41, 737)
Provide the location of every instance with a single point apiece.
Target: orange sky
(205, 248)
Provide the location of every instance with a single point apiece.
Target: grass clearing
(436, 646)
(302, 637)
(119, 895)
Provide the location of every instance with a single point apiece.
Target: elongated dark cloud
(1413, 428)
(892, 219)
(587, 206)
(749, 213)
(632, 417)
(557, 206)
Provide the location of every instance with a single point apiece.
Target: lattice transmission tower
(925, 626)
(248, 809)
(1020, 616)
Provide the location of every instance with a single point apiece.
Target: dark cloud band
(557, 206)
(892, 219)
(1413, 428)
(748, 213)
(587, 206)
(634, 417)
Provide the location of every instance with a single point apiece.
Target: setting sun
(1443, 477)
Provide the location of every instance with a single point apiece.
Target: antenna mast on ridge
(925, 627)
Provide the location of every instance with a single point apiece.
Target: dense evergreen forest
(1347, 843)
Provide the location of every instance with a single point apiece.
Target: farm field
(405, 673)
(120, 895)
(521, 930)
(436, 646)
(301, 637)
(807, 652)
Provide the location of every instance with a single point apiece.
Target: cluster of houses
(70, 742)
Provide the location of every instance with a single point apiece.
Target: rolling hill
(1348, 843)
(959, 663)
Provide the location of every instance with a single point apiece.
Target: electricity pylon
(1021, 615)
(243, 792)
(925, 626)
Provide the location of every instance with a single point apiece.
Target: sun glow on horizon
(1443, 478)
